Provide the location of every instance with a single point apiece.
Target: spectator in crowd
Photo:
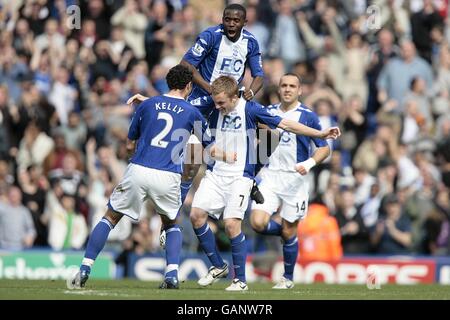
(133, 23)
(396, 75)
(6, 179)
(67, 227)
(74, 132)
(370, 208)
(286, 42)
(418, 92)
(354, 124)
(436, 240)
(392, 234)
(258, 29)
(422, 23)
(16, 224)
(34, 147)
(50, 38)
(34, 187)
(354, 234)
(157, 33)
(379, 54)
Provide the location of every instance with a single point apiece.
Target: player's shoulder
(214, 31)
(307, 113)
(253, 104)
(250, 38)
(304, 108)
(248, 35)
(273, 107)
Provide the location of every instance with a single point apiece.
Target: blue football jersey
(236, 132)
(292, 148)
(162, 126)
(214, 55)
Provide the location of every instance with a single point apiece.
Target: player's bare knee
(113, 217)
(232, 227)
(289, 230)
(259, 221)
(166, 222)
(257, 225)
(198, 218)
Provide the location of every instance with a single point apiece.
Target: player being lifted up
(225, 49)
(283, 184)
(225, 189)
(158, 135)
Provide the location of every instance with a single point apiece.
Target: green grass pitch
(138, 290)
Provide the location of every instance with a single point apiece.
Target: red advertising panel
(367, 271)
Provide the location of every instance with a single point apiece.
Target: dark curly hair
(237, 7)
(179, 77)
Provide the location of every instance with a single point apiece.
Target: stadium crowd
(381, 74)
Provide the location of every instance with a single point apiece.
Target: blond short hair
(225, 84)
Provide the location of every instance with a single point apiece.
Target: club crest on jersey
(197, 50)
(285, 137)
(231, 123)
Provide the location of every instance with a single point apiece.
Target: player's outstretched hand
(331, 133)
(137, 98)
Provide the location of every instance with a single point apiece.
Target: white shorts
(141, 183)
(193, 139)
(288, 190)
(223, 194)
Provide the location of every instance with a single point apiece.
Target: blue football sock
(96, 243)
(208, 244)
(290, 252)
(185, 186)
(273, 228)
(239, 253)
(173, 250)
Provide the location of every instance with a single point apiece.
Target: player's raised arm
(255, 86)
(198, 79)
(196, 54)
(301, 129)
(255, 63)
(263, 116)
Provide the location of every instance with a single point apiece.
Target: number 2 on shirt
(158, 141)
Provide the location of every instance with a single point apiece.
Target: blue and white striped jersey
(236, 132)
(214, 55)
(292, 148)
